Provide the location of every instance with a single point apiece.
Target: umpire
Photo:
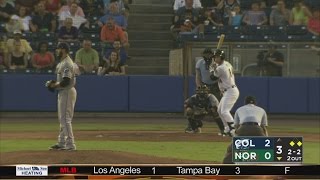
(203, 77)
(249, 120)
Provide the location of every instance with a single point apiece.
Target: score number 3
(237, 170)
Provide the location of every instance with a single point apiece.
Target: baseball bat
(220, 41)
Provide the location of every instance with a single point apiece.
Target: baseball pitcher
(66, 72)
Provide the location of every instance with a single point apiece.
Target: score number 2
(267, 141)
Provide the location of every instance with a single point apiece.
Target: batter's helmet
(220, 53)
(63, 45)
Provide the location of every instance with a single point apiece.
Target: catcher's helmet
(220, 53)
(203, 89)
(63, 45)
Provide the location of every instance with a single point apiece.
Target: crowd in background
(95, 30)
(194, 15)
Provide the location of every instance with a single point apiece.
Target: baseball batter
(224, 71)
(66, 72)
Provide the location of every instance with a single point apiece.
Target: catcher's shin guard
(194, 124)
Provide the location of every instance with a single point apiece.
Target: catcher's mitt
(200, 111)
(49, 85)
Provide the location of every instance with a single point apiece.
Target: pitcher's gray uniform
(66, 72)
(66, 100)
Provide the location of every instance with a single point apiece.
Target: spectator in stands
(120, 50)
(68, 33)
(6, 10)
(24, 18)
(93, 8)
(87, 58)
(53, 6)
(280, 14)
(43, 59)
(271, 62)
(122, 7)
(24, 45)
(16, 58)
(43, 21)
(227, 6)
(110, 32)
(106, 6)
(78, 21)
(300, 14)
(255, 16)
(14, 24)
(66, 9)
(119, 19)
(3, 55)
(29, 4)
(210, 18)
(181, 18)
(196, 4)
(235, 17)
(210, 3)
(126, 7)
(114, 66)
(314, 22)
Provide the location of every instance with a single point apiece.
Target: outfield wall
(26, 92)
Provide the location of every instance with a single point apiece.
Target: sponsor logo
(31, 170)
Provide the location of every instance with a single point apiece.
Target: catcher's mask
(207, 56)
(202, 92)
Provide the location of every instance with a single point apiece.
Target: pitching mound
(86, 157)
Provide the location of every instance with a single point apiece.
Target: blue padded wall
(155, 94)
(314, 95)
(254, 86)
(102, 93)
(192, 86)
(288, 95)
(26, 92)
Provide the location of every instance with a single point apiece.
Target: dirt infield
(116, 157)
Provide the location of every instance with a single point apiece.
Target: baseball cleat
(222, 134)
(70, 149)
(189, 131)
(57, 147)
(198, 130)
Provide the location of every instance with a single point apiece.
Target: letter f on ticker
(286, 169)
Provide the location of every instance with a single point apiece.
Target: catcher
(198, 106)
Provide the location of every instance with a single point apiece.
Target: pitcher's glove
(200, 111)
(50, 85)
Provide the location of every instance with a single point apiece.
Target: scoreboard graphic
(267, 150)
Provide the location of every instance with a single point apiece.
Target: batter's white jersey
(225, 74)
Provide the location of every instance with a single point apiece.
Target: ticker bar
(215, 170)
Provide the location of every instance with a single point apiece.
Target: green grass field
(208, 151)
